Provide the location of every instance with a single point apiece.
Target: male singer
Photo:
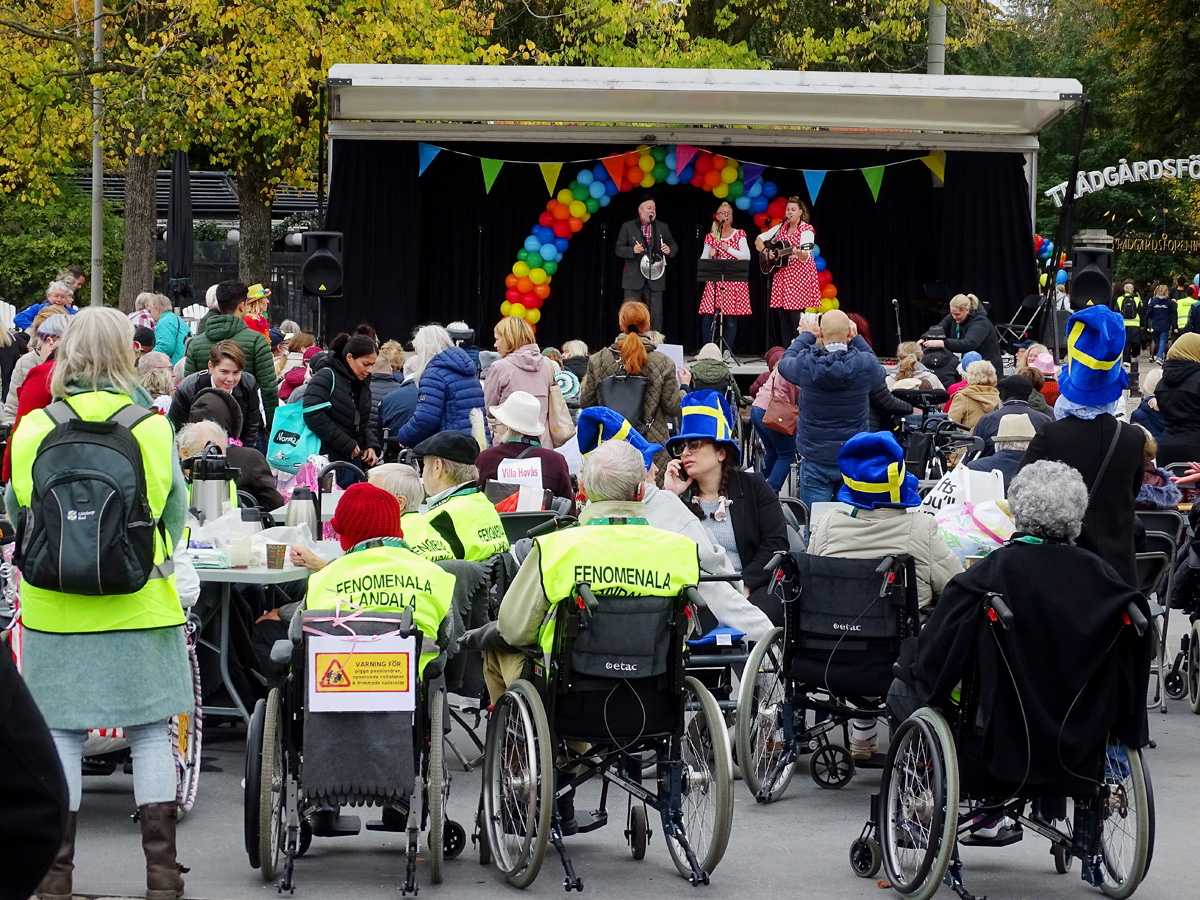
(640, 236)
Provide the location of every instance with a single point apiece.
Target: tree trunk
(141, 228)
(254, 249)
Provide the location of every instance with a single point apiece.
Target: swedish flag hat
(707, 415)
(1093, 375)
(598, 424)
(873, 473)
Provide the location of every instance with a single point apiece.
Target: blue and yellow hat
(1093, 374)
(873, 470)
(707, 415)
(598, 424)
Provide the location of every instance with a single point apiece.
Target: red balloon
(510, 280)
(627, 185)
(529, 299)
(536, 302)
(546, 219)
(512, 295)
(1038, 240)
(703, 163)
(542, 291)
(823, 278)
(697, 181)
(561, 229)
(760, 219)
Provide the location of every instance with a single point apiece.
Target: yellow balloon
(505, 307)
(586, 215)
(835, 303)
(721, 190)
(648, 181)
(729, 174)
(549, 278)
(518, 311)
(533, 316)
(537, 276)
(1043, 279)
(565, 196)
(578, 208)
(645, 162)
(520, 269)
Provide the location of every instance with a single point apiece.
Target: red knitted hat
(366, 512)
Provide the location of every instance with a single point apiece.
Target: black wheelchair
(303, 765)
(933, 442)
(564, 725)
(844, 623)
(937, 794)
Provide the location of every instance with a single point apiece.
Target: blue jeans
(819, 482)
(153, 762)
(778, 450)
(1161, 337)
(706, 330)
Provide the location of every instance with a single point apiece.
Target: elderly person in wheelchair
(1035, 666)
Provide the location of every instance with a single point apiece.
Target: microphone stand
(896, 309)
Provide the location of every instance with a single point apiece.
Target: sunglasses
(692, 444)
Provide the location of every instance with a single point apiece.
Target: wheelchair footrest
(877, 761)
(394, 820)
(591, 821)
(1004, 837)
(342, 826)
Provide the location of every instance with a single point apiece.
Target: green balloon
(550, 267)
(523, 255)
(592, 204)
(579, 191)
(660, 172)
(737, 189)
(534, 260)
(659, 153)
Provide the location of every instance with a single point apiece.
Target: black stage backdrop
(436, 248)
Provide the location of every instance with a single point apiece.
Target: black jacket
(245, 393)
(630, 234)
(758, 526)
(975, 333)
(8, 359)
(1108, 527)
(254, 476)
(381, 385)
(885, 406)
(346, 422)
(1178, 396)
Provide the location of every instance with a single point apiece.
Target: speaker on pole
(1091, 277)
(321, 272)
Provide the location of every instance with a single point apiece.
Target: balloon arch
(527, 286)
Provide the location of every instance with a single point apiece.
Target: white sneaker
(863, 748)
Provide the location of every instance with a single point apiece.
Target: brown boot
(57, 883)
(164, 878)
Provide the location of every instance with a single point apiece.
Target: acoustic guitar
(783, 252)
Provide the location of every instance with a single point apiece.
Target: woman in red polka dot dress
(795, 287)
(724, 242)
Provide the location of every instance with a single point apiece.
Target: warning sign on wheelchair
(361, 675)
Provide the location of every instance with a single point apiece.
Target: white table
(226, 578)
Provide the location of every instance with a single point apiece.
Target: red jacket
(34, 393)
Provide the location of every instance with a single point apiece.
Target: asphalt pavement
(795, 847)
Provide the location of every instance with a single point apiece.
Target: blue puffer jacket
(448, 390)
(834, 394)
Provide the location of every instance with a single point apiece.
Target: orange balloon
(524, 285)
(562, 212)
(634, 175)
(718, 162)
(551, 203)
(712, 178)
(510, 281)
(574, 224)
(631, 160)
(541, 291)
(828, 292)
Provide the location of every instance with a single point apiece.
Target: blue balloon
(1196, 281)
(769, 190)
(597, 189)
(816, 250)
(585, 177)
(670, 161)
(1061, 277)
(688, 173)
(1048, 249)
(610, 188)
(819, 262)
(755, 189)
(549, 252)
(743, 202)
(561, 244)
(604, 201)
(759, 204)
(672, 178)
(599, 173)
(532, 244)
(546, 235)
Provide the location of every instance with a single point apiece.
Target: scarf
(1186, 346)
(1064, 407)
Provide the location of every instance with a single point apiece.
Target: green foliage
(38, 240)
(306, 217)
(207, 230)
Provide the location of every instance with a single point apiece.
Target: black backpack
(88, 528)
(625, 394)
(1129, 307)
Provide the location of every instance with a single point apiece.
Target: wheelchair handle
(588, 599)
(995, 603)
(550, 525)
(776, 560)
(704, 579)
(1137, 618)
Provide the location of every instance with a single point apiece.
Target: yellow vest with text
(388, 578)
(628, 560)
(423, 540)
(1183, 306)
(156, 605)
(475, 523)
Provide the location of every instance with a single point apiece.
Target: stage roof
(538, 103)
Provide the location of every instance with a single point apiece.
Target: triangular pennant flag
(550, 174)
(425, 155)
(874, 176)
(684, 154)
(814, 178)
(491, 168)
(751, 172)
(615, 166)
(937, 163)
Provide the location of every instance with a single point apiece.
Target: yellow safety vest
(1183, 306)
(469, 524)
(423, 540)
(386, 576)
(634, 560)
(156, 605)
(1136, 320)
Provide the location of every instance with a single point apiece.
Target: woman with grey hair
(1047, 500)
(46, 335)
(448, 386)
(978, 398)
(171, 333)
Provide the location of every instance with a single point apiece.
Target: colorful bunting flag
(425, 155)
(491, 168)
(874, 176)
(937, 163)
(550, 175)
(615, 166)
(684, 153)
(814, 178)
(751, 172)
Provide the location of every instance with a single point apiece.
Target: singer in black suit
(632, 244)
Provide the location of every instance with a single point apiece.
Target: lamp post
(97, 272)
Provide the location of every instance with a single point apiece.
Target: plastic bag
(975, 530)
(961, 485)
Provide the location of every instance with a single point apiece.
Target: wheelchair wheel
(708, 781)
(639, 831)
(1193, 668)
(436, 788)
(1175, 684)
(919, 805)
(271, 789)
(1124, 822)
(518, 770)
(865, 857)
(253, 775)
(759, 723)
(831, 766)
(186, 733)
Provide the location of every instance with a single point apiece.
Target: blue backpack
(292, 441)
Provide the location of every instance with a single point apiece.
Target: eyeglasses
(692, 444)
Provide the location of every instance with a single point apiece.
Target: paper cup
(275, 555)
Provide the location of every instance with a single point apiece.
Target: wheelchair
(844, 622)
(572, 721)
(301, 762)
(932, 799)
(935, 443)
(1182, 682)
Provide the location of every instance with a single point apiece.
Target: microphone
(895, 303)
(650, 218)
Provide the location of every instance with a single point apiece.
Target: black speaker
(321, 272)
(1091, 277)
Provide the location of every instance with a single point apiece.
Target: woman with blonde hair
(910, 373)
(521, 367)
(632, 353)
(979, 397)
(294, 357)
(967, 328)
(724, 242)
